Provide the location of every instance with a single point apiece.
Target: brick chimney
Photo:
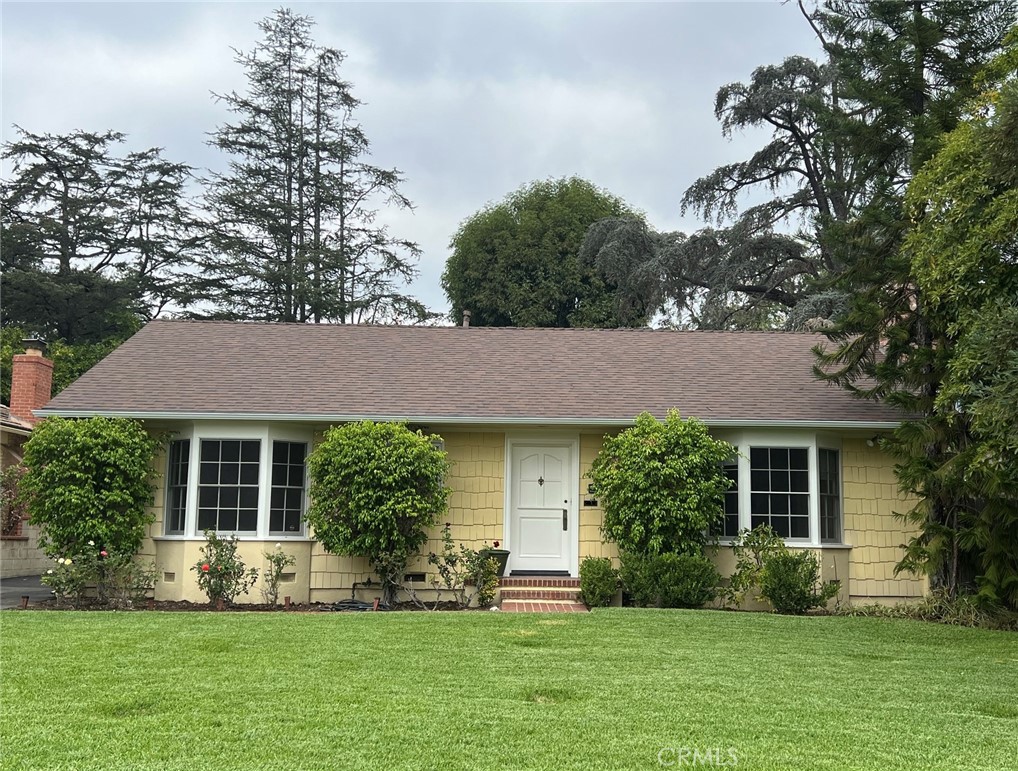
(31, 380)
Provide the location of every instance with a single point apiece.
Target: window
(287, 496)
(830, 495)
(176, 485)
(729, 526)
(228, 485)
(779, 490)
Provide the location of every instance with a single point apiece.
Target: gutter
(460, 420)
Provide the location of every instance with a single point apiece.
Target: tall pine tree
(293, 234)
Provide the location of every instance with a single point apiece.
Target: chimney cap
(34, 343)
(466, 317)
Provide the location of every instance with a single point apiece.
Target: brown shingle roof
(462, 374)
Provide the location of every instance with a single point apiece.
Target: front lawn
(609, 689)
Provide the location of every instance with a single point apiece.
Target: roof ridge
(329, 325)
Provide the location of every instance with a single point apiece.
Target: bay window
(788, 480)
(247, 480)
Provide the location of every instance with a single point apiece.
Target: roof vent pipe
(466, 318)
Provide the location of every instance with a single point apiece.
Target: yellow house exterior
(863, 562)
(242, 406)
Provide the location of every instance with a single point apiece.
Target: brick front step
(542, 606)
(539, 582)
(557, 594)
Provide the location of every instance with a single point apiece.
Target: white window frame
(176, 437)
(829, 442)
(266, 434)
(811, 441)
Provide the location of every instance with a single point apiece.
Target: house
(31, 382)
(522, 413)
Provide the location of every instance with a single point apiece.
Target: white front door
(542, 530)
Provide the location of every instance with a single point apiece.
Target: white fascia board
(455, 419)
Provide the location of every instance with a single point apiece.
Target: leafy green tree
(964, 262)
(516, 263)
(89, 480)
(661, 484)
(376, 488)
(293, 234)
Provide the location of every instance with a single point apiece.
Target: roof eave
(466, 420)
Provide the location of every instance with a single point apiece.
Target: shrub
(670, 580)
(939, 606)
(485, 572)
(68, 579)
(686, 580)
(221, 573)
(279, 561)
(661, 485)
(751, 548)
(459, 569)
(89, 480)
(12, 504)
(122, 580)
(789, 582)
(118, 579)
(376, 488)
(637, 577)
(599, 582)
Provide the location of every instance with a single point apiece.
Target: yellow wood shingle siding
(591, 517)
(871, 498)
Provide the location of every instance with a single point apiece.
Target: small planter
(501, 556)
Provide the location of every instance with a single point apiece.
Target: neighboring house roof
(12, 423)
(193, 369)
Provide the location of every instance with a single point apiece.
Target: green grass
(605, 690)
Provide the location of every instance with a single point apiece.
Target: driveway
(11, 590)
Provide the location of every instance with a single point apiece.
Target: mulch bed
(183, 606)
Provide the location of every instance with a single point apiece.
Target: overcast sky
(469, 100)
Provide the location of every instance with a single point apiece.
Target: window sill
(240, 538)
(728, 543)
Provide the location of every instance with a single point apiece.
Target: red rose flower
(205, 568)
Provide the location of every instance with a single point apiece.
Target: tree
(516, 263)
(376, 488)
(89, 480)
(846, 136)
(661, 484)
(892, 343)
(963, 256)
(293, 233)
(90, 236)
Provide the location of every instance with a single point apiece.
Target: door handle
(565, 519)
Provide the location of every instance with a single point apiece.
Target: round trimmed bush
(376, 488)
